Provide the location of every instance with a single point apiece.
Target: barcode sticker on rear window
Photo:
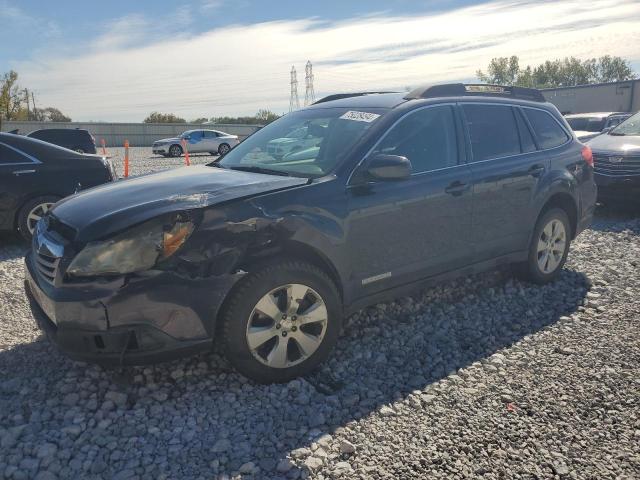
(360, 116)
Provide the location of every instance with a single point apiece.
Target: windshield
(586, 124)
(631, 126)
(306, 143)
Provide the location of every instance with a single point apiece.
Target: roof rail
(476, 89)
(338, 96)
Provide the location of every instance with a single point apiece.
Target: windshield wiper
(256, 169)
(615, 134)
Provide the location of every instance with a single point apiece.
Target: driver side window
(426, 137)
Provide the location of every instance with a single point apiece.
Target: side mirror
(388, 167)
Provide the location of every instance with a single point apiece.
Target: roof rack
(476, 89)
(338, 96)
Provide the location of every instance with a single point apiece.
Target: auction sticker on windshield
(360, 116)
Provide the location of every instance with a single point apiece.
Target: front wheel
(175, 150)
(281, 322)
(549, 247)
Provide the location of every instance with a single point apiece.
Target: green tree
(262, 117)
(157, 117)
(555, 73)
(10, 97)
(199, 120)
(49, 114)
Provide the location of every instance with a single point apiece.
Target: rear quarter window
(10, 156)
(547, 130)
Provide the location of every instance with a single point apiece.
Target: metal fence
(138, 134)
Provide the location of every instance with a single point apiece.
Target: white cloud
(238, 69)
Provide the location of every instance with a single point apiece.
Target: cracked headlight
(137, 249)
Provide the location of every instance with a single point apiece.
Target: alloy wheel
(223, 149)
(36, 214)
(552, 244)
(287, 326)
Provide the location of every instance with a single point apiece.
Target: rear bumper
(146, 321)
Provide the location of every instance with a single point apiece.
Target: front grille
(47, 267)
(628, 165)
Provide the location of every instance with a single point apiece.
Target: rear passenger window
(492, 131)
(547, 129)
(9, 155)
(526, 140)
(426, 137)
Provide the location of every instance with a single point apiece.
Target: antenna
(309, 94)
(294, 102)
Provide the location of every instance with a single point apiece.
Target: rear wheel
(549, 247)
(175, 150)
(224, 148)
(281, 322)
(31, 212)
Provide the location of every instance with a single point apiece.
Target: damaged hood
(620, 144)
(103, 210)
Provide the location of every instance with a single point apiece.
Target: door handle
(22, 172)
(536, 170)
(456, 188)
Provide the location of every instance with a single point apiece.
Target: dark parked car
(270, 254)
(617, 163)
(35, 174)
(75, 139)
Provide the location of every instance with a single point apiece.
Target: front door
(401, 231)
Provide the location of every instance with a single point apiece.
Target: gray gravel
(141, 160)
(483, 377)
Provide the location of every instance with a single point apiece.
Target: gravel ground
(483, 377)
(141, 160)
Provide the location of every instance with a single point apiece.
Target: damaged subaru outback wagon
(269, 253)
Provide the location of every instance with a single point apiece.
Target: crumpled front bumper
(132, 321)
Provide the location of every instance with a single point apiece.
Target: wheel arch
(295, 250)
(566, 202)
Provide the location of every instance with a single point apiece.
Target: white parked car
(198, 141)
(589, 125)
(295, 141)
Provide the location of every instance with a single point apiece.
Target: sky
(120, 60)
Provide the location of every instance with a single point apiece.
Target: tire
(549, 247)
(223, 149)
(175, 151)
(35, 207)
(255, 355)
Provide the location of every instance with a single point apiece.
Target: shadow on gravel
(12, 246)
(615, 217)
(195, 417)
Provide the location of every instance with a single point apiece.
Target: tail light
(587, 155)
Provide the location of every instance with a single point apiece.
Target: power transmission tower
(294, 102)
(309, 94)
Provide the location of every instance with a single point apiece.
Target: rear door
(19, 176)
(402, 231)
(211, 140)
(506, 168)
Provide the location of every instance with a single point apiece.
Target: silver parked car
(198, 141)
(589, 125)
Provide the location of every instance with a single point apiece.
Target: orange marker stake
(186, 152)
(126, 158)
(104, 144)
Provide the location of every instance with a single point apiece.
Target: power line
(309, 94)
(294, 102)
